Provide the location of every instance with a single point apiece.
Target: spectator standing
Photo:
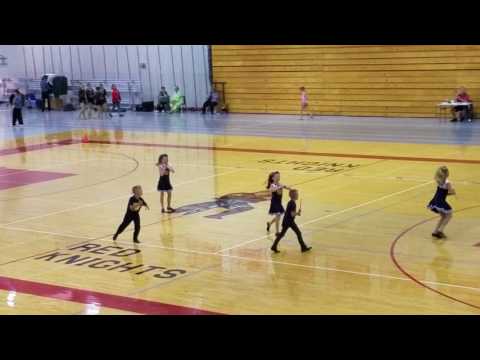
(46, 89)
(17, 101)
(116, 99)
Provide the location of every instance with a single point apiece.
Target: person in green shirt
(176, 100)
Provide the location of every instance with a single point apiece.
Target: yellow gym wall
(400, 81)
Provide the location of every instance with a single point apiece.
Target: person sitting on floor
(462, 112)
(176, 101)
(163, 100)
(211, 102)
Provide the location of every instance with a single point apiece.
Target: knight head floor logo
(230, 204)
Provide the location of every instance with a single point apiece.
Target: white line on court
(335, 213)
(46, 232)
(390, 277)
(113, 199)
(217, 254)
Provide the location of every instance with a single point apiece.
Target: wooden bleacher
(397, 81)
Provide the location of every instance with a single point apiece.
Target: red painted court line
(124, 303)
(28, 178)
(11, 178)
(259, 151)
(6, 171)
(289, 152)
(413, 278)
(23, 149)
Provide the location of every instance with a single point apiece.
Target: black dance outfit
(82, 96)
(101, 97)
(289, 223)
(164, 181)
(130, 216)
(439, 202)
(90, 94)
(276, 207)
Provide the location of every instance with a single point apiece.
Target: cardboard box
(57, 104)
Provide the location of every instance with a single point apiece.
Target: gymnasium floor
(364, 185)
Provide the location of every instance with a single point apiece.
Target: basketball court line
(111, 200)
(309, 266)
(102, 237)
(379, 275)
(131, 171)
(48, 167)
(111, 301)
(46, 232)
(306, 172)
(412, 277)
(90, 238)
(360, 273)
(131, 304)
(336, 213)
(42, 168)
(247, 168)
(289, 152)
(36, 147)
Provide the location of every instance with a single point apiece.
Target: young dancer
(304, 102)
(439, 204)
(289, 223)
(276, 208)
(135, 203)
(90, 94)
(101, 101)
(83, 101)
(164, 185)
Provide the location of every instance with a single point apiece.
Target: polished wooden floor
(364, 213)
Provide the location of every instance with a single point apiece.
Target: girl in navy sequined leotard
(164, 185)
(439, 202)
(276, 207)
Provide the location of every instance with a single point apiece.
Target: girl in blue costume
(439, 204)
(276, 208)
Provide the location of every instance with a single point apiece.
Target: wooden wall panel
(405, 81)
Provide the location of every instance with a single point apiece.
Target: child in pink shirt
(304, 102)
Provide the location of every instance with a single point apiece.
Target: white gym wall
(167, 65)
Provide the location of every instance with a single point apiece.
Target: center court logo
(231, 204)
